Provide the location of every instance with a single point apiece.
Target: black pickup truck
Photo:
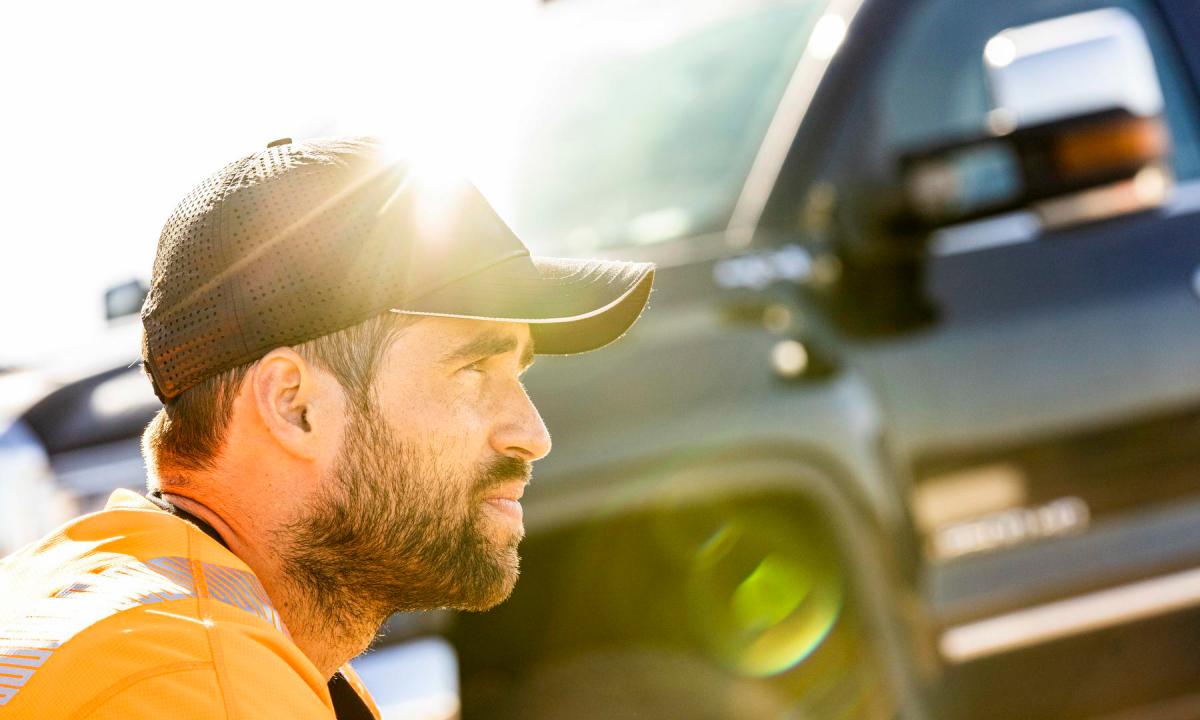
(911, 427)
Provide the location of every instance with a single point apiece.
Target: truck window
(640, 137)
(934, 86)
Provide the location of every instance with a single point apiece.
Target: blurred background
(911, 428)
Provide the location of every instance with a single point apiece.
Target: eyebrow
(487, 344)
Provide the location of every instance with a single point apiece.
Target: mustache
(504, 470)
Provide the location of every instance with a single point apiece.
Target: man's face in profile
(417, 509)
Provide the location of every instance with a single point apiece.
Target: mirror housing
(1069, 171)
(1076, 134)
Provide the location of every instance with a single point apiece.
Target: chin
(507, 570)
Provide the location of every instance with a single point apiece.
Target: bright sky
(112, 111)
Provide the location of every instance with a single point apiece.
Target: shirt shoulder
(151, 663)
(116, 605)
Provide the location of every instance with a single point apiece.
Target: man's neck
(329, 641)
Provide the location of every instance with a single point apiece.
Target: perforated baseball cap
(303, 239)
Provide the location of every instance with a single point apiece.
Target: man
(338, 344)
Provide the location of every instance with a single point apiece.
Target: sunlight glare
(422, 73)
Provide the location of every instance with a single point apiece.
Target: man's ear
(284, 388)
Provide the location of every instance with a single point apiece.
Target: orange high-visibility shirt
(133, 613)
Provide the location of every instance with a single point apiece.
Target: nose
(521, 432)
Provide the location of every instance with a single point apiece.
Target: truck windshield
(643, 119)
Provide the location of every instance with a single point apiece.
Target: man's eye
(476, 366)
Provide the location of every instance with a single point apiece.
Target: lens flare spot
(764, 594)
(770, 594)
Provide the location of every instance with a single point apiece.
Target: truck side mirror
(1077, 134)
(1069, 171)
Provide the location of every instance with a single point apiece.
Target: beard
(393, 529)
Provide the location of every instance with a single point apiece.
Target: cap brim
(571, 306)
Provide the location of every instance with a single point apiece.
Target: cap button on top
(280, 141)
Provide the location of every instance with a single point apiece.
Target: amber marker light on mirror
(1113, 145)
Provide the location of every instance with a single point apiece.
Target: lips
(511, 491)
(510, 509)
(506, 501)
